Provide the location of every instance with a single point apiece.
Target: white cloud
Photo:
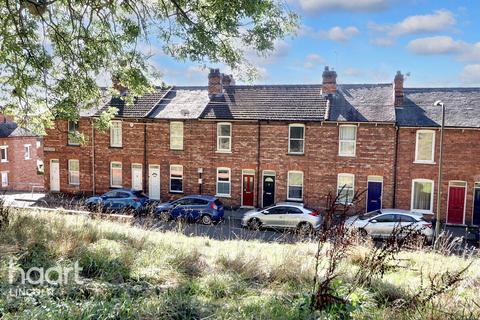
(436, 45)
(353, 72)
(342, 5)
(281, 48)
(337, 33)
(471, 74)
(383, 42)
(312, 61)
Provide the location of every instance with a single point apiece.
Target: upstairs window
(347, 140)
(74, 172)
(176, 135)
(116, 134)
(176, 178)
(223, 182)
(26, 150)
(116, 174)
(3, 153)
(295, 185)
(425, 146)
(73, 128)
(224, 137)
(296, 138)
(345, 188)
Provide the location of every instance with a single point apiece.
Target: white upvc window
(26, 149)
(4, 178)
(74, 172)
(223, 182)
(176, 135)
(116, 174)
(422, 195)
(116, 134)
(425, 146)
(224, 137)
(73, 128)
(3, 153)
(176, 178)
(296, 138)
(347, 140)
(295, 185)
(345, 188)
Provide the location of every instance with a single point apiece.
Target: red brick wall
(22, 173)
(460, 162)
(320, 163)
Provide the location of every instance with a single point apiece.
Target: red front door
(248, 190)
(456, 205)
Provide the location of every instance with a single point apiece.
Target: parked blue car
(206, 209)
(119, 200)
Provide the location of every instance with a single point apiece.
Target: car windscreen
(369, 215)
(139, 194)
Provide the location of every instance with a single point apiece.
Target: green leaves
(53, 52)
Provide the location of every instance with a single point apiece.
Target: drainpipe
(145, 157)
(395, 167)
(93, 158)
(258, 165)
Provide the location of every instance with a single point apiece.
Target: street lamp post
(439, 103)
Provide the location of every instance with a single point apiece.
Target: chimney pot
(329, 83)
(398, 93)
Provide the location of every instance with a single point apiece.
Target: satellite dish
(185, 112)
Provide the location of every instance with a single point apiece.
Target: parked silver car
(381, 223)
(284, 215)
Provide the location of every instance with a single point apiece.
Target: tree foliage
(53, 51)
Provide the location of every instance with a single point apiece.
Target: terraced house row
(258, 144)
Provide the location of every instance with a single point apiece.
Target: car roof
(201, 196)
(287, 203)
(124, 189)
(401, 211)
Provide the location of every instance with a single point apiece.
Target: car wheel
(254, 224)
(206, 219)
(363, 233)
(164, 216)
(305, 229)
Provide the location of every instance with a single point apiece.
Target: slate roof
(11, 129)
(141, 107)
(268, 102)
(462, 107)
(362, 103)
(182, 103)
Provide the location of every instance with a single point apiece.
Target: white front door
(154, 182)
(137, 182)
(54, 175)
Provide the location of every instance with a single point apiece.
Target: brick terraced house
(253, 145)
(21, 153)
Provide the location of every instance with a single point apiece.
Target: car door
(198, 207)
(381, 226)
(405, 222)
(293, 217)
(121, 200)
(182, 208)
(108, 199)
(273, 216)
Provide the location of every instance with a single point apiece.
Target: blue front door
(374, 196)
(476, 207)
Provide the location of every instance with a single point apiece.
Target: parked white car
(283, 215)
(381, 223)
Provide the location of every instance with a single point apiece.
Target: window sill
(424, 162)
(4, 161)
(221, 151)
(295, 200)
(73, 144)
(74, 185)
(347, 155)
(295, 154)
(176, 149)
(116, 187)
(223, 195)
(116, 147)
(176, 192)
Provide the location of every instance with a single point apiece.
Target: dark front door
(374, 196)
(268, 190)
(248, 190)
(456, 205)
(476, 207)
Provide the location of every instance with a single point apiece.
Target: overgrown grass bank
(130, 273)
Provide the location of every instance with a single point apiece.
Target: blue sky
(367, 41)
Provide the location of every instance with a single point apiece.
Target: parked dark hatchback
(118, 200)
(206, 209)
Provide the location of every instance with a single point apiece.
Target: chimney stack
(215, 82)
(398, 89)
(227, 80)
(329, 84)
